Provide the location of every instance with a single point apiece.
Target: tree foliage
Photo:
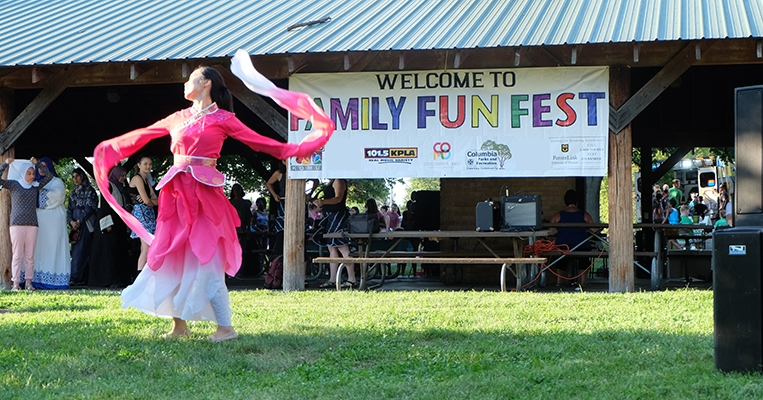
(415, 184)
(360, 190)
(237, 170)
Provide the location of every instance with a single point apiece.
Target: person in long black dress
(109, 261)
(83, 204)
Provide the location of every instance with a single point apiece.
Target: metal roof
(37, 32)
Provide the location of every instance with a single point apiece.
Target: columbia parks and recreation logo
(441, 150)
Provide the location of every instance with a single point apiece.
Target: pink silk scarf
(110, 152)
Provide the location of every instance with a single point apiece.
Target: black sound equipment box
(489, 216)
(427, 215)
(738, 299)
(748, 137)
(521, 213)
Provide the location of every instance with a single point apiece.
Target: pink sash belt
(201, 168)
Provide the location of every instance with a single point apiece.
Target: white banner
(529, 122)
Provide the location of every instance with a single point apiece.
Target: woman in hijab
(52, 262)
(109, 264)
(83, 202)
(24, 191)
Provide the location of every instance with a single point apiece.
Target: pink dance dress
(195, 243)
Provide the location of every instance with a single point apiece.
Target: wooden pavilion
(671, 89)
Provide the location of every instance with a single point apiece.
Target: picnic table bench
(505, 262)
(463, 258)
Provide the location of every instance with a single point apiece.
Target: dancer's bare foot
(179, 329)
(176, 334)
(223, 333)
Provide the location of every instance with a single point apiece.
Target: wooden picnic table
(517, 239)
(658, 259)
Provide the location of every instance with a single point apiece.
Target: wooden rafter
(542, 57)
(256, 164)
(57, 85)
(7, 71)
(357, 62)
(621, 117)
(670, 162)
(85, 164)
(254, 102)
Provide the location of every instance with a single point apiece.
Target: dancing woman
(195, 243)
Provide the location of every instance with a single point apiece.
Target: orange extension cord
(542, 246)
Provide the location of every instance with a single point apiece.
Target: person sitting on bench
(571, 237)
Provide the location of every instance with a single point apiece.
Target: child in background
(721, 223)
(685, 220)
(23, 231)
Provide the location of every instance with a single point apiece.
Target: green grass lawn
(358, 345)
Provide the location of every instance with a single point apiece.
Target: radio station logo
(397, 155)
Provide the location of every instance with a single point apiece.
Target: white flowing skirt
(52, 258)
(182, 288)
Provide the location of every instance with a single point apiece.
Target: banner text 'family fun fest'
(384, 113)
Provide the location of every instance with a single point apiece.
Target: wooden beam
(667, 75)
(671, 162)
(57, 85)
(295, 63)
(140, 69)
(6, 114)
(460, 57)
(358, 62)
(254, 102)
(86, 165)
(294, 237)
(621, 274)
(541, 57)
(7, 71)
(255, 162)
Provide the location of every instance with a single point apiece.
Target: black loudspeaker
(748, 137)
(489, 216)
(427, 215)
(521, 213)
(738, 299)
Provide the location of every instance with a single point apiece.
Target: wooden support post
(621, 276)
(294, 236)
(6, 116)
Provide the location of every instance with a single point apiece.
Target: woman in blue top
(572, 237)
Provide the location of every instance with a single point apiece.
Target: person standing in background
(52, 262)
(23, 219)
(243, 207)
(83, 204)
(143, 199)
(675, 192)
(109, 264)
(334, 207)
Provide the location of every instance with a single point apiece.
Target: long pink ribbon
(110, 152)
